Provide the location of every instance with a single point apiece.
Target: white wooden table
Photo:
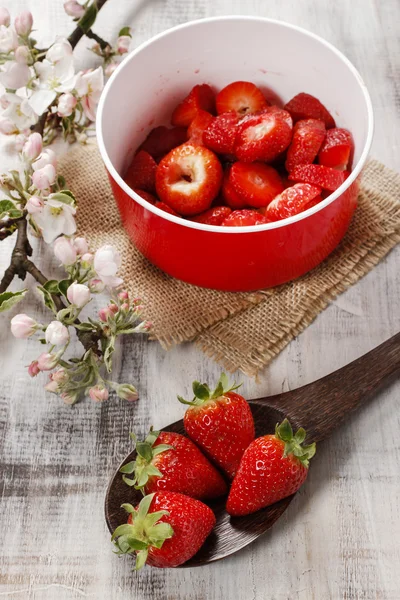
(340, 536)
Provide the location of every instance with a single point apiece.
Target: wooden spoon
(319, 407)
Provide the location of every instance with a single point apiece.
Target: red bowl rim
(253, 228)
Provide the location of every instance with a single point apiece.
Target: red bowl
(148, 84)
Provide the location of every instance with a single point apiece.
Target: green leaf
(201, 390)
(86, 22)
(128, 507)
(224, 381)
(130, 482)
(151, 436)
(61, 182)
(124, 529)
(300, 435)
(52, 286)
(48, 300)
(125, 31)
(10, 299)
(141, 559)
(162, 448)
(6, 205)
(108, 352)
(64, 313)
(160, 532)
(84, 326)
(13, 213)
(128, 468)
(152, 470)
(219, 390)
(144, 506)
(135, 544)
(142, 479)
(63, 285)
(284, 431)
(63, 196)
(144, 450)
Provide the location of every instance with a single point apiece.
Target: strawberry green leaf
(124, 529)
(201, 390)
(144, 450)
(135, 544)
(128, 507)
(130, 482)
(128, 468)
(293, 443)
(162, 448)
(141, 559)
(144, 506)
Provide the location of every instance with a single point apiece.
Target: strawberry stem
(202, 392)
(293, 443)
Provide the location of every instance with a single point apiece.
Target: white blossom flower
(7, 127)
(98, 393)
(15, 75)
(107, 261)
(74, 9)
(20, 141)
(23, 326)
(89, 85)
(123, 43)
(56, 75)
(65, 251)
(57, 218)
(81, 245)
(34, 205)
(8, 39)
(47, 361)
(47, 157)
(32, 147)
(18, 111)
(66, 105)
(23, 23)
(57, 334)
(4, 16)
(78, 294)
(22, 54)
(43, 178)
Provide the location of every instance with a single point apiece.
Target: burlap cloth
(240, 330)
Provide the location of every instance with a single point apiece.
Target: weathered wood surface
(339, 537)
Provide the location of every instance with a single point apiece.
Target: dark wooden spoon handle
(322, 405)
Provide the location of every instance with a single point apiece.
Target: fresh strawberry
(213, 216)
(263, 136)
(146, 196)
(325, 177)
(188, 179)
(220, 134)
(242, 97)
(292, 201)
(165, 530)
(201, 97)
(273, 467)
(230, 195)
(220, 422)
(336, 149)
(162, 140)
(244, 218)
(197, 127)
(171, 462)
(314, 202)
(256, 182)
(142, 172)
(166, 208)
(305, 106)
(308, 136)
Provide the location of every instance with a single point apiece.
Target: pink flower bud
(22, 55)
(125, 306)
(87, 259)
(60, 376)
(65, 251)
(23, 23)
(74, 9)
(7, 127)
(48, 157)
(113, 308)
(33, 147)
(104, 313)
(98, 393)
(44, 178)
(66, 105)
(123, 43)
(47, 361)
(57, 334)
(23, 326)
(51, 385)
(123, 295)
(20, 141)
(33, 369)
(34, 205)
(69, 397)
(81, 245)
(4, 16)
(127, 392)
(96, 286)
(78, 294)
(110, 68)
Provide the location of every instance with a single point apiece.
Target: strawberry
(242, 97)
(188, 179)
(305, 106)
(197, 127)
(308, 136)
(142, 172)
(146, 196)
(292, 201)
(335, 151)
(171, 462)
(230, 195)
(263, 136)
(256, 182)
(162, 140)
(220, 135)
(325, 177)
(166, 208)
(244, 218)
(165, 530)
(220, 422)
(213, 216)
(201, 97)
(273, 467)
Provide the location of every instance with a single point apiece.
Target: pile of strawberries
(234, 159)
(177, 473)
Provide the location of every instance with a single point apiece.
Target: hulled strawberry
(244, 218)
(257, 183)
(308, 136)
(165, 530)
(146, 196)
(197, 127)
(263, 136)
(166, 208)
(272, 468)
(325, 177)
(220, 135)
(305, 106)
(220, 422)
(292, 201)
(142, 172)
(201, 97)
(162, 140)
(213, 216)
(336, 149)
(171, 462)
(188, 179)
(242, 97)
(230, 195)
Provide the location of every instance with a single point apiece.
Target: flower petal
(41, 99)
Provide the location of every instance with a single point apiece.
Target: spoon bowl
(319, 407)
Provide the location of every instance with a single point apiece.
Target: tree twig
(78, 33)
(93, 36)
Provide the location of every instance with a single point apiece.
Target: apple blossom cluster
(87, 274)
(44, 82)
